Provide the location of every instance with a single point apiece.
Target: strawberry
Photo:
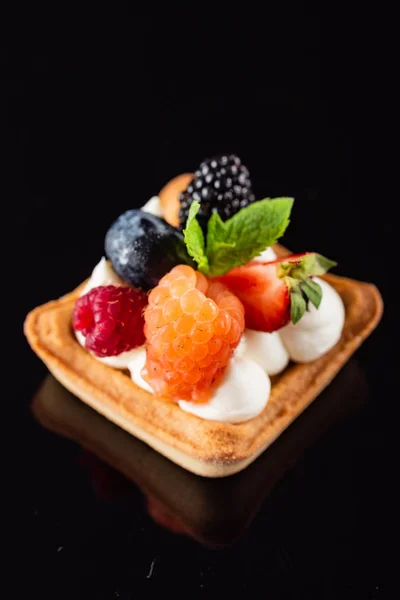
(273, 293)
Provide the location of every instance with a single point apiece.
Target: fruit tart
(198, 332)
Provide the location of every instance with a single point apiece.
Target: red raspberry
(111, 319)
(192, 327)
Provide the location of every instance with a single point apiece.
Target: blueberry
(142, 248)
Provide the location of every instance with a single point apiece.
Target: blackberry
(220, 184)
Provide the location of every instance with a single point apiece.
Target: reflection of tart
(177, 499)
(211, 388)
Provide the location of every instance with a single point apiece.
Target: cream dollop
(266, 349)
(267, 255)
(102, 274)
(318, 329)
(153, 206)
(242, 394)
(120, 361)
(135, 365)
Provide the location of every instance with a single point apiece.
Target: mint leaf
(245, 235)
(217, 248)
(194, 239)
(312, 291)
(298, 306)
(215, 229)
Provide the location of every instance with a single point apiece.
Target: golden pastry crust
(207, 448)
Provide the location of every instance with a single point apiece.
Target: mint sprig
(235, 242)
(194, 239)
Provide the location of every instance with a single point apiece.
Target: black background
(96, 122)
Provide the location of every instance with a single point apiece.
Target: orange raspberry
(192, 327)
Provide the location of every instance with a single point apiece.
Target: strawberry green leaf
(194, 239)
(315, 264)
(312, 290)
(298, 306)
(245, 235)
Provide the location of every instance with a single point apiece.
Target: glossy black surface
(95, 125)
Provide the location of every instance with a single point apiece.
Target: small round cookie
(169, 197)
